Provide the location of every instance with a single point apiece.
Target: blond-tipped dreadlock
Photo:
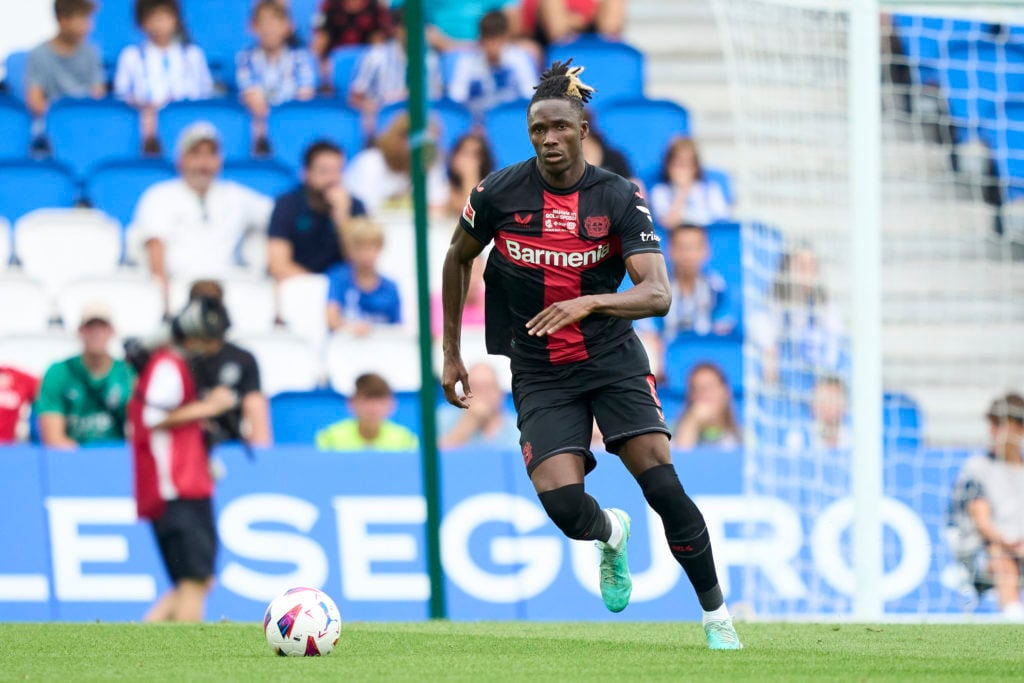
(562, 81)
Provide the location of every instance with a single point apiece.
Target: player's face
(689, 251)
(557, 133)
(200, 165)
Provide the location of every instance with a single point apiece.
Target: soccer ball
(303, 622)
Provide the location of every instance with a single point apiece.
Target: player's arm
(458, 264)
(649, 296)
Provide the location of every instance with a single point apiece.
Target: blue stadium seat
(454, 120)
(296, 416)
(506, 129)
(642, 129)
(16, 124)
(344, 61)
(115, 28)
(303, 12)
(29, 185)
(228, 116)
(115, 187)
(616, 70)
(219, 27)
(723, 180)
(85, 132)
(688, 350)
(448, 61)
(294, 125)
(271, 178)
(727, 259)
(15, 65)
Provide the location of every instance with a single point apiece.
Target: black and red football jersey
(553, 245)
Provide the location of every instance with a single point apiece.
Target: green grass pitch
(516, 651)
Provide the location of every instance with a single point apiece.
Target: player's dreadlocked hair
(562, 81)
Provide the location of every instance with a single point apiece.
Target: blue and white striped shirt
(279, 79)
(380, 75)
(151, 75)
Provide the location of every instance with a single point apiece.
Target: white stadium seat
(136, 302)
(26, 307)
(392, 353)
(56, 246)
(34, 353)
(250, 302)
(287, 362)
(302, 302)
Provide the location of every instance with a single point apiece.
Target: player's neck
(567, 178)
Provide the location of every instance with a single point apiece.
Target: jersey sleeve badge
(469, 213)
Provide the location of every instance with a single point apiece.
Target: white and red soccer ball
(302, 622)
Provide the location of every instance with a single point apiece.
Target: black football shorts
(187, 537)
(557, 405)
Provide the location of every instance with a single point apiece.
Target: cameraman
(173, 485)
(222, 364)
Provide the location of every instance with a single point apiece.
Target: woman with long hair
(709, 418)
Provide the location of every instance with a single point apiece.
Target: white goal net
(952, 313)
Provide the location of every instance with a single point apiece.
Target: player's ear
(584, 128)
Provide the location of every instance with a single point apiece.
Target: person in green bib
(369, 429)
(82, 399)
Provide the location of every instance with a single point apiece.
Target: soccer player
(564, 234)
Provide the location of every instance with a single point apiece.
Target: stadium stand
(642, 128)
(26, 306)
(614, 69)
(136, 301)
(16, 124)
(287, 362)
(250, 302)
(34, 353)
(28, 185)
(228, 116)
(343, 67)
(298, 416)
(14, 74)
(221, 38)
(392, 353)
(294, 125)
(303, 13)
(453, 120)
(6, 246)
(80, 133)
(688, 350)
(501, 125)
(115, 28)
(266, 176)
(90, 245)
(115, 187)
(302, 305)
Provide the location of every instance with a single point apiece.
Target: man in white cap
(192, 225)
(82, 399)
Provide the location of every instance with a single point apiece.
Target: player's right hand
(454, 372)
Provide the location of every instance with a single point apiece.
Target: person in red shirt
(17, 390)
(173, 484)
(554, 21)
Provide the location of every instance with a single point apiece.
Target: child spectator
(472, 311)
(272, 72)
(83, 399)
(67, 65)
(469, 163)
(496, 71)
(700, 296)
(455, 23)
(708, 418)
(554, 21)
(684, 195)
(165, 68)
(380, 174)
(486, 423)
(359, 297)
(308, 224)
(380, 75)
(341, 23)
(17, 391)
(988, 508)
(829, 427)
(369, 429)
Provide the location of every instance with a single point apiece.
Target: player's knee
(569, 508)
(665, 494)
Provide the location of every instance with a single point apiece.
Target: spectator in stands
(223, 364)
(344, 23)
(829, 428)
(308, 225)
(472, 312)
(708, 418)
(17, 391)
(359, 297)
(380, 173)
(453, 24)
(469, 163)
(272, 72)
(988, 508)
(496, 71)
(799, 331)
(599, 153)
(700, 297)
(556, 21)
(380, 76)
(165, 68)
(684, 194)
(370, 429)
(66, 65)
(487, 422)
(192, 225)
(82, 399)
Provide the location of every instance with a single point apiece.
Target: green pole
(419, 138)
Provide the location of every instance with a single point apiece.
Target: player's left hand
(558, 315)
